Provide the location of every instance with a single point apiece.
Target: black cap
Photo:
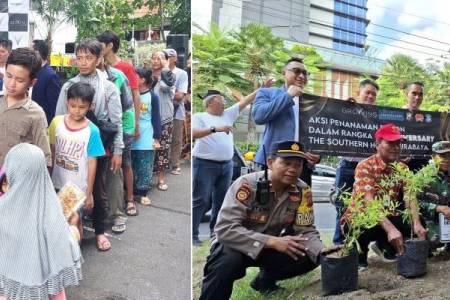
(210, 93)
(288, 149)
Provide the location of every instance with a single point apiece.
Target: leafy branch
(362, 214)
(413, 183)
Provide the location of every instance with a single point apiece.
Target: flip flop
(145, 201)
(120, 225)
(101, 244)
(132, 210)
(162, 186)
(176, 171)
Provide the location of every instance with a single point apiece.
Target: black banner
(335, 127)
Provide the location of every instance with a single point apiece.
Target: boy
(106, 107)
(75, 143)
(21, 119)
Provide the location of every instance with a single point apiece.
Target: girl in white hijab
(38, 256)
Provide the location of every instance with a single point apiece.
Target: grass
(241, 290)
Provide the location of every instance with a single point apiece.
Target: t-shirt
(145, 141)
(129, 71)
(122, 84)
(73, 147)
(181, 85)
(217, 146)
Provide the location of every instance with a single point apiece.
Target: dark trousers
(225, 265)
(210, 180)
(100, 197)
(378, 235)
(345, 177)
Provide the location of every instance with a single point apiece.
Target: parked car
(323, 178)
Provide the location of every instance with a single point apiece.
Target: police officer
(435, 198)
(270, 228)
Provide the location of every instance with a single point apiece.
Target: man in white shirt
(212, 155)
(181, 88)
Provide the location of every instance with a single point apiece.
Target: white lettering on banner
(317, 141)
(353, 125)
(323, 131)
(318, 120)
(349, 143)
(357, 134)
(415, 147)
(420, 138)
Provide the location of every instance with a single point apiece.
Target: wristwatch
(213, 129)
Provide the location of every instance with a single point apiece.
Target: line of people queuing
(105, 131)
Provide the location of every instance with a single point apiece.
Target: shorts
(126, 153)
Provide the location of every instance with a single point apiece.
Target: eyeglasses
(86, 58)
(298, 71)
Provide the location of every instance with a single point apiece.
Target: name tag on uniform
(444, 229)
(305, 213)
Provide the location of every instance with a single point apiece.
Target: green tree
(217, 64)
(181, 19)
(94, 17)
(260, 51)
(399, 70)
(53, 13)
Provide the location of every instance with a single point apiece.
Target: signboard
(335, 127)
(444, 229)
(14, 22)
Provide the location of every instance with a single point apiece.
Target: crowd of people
(267, 220)
(104, 131)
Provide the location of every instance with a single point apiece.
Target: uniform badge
(295, 147)
(243, 193)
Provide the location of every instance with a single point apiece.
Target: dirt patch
(380, 281)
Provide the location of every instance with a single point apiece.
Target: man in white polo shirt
(212, 155)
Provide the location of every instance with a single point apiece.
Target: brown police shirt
(24, 122)
(245, 225)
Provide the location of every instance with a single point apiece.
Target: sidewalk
(152, 259)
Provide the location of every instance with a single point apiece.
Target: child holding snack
(142, 150)
(42, 258)
(75, 143)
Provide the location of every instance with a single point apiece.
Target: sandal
(120, 225)
(176, 171)
(162, 186)
(132, 209)
(145, 201)
(102, 243)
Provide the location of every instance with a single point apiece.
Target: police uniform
(244, 226)
(436, 193)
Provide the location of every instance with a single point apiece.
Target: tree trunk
(161, 11)
(251, 127)
(49, 40)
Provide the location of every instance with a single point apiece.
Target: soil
(380, 281)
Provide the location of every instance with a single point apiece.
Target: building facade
(336, 28)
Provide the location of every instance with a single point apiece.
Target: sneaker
(264, 286)
(384, 256)
(196, 242)
(362, 266)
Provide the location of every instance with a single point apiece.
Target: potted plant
(413, 262)
(339, 266)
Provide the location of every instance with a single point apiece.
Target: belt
(221, 162)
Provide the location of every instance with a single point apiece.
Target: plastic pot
(339, 274)
(413, 262)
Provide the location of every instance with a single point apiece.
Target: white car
(323, 178)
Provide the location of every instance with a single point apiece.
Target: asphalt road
(152, 259)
